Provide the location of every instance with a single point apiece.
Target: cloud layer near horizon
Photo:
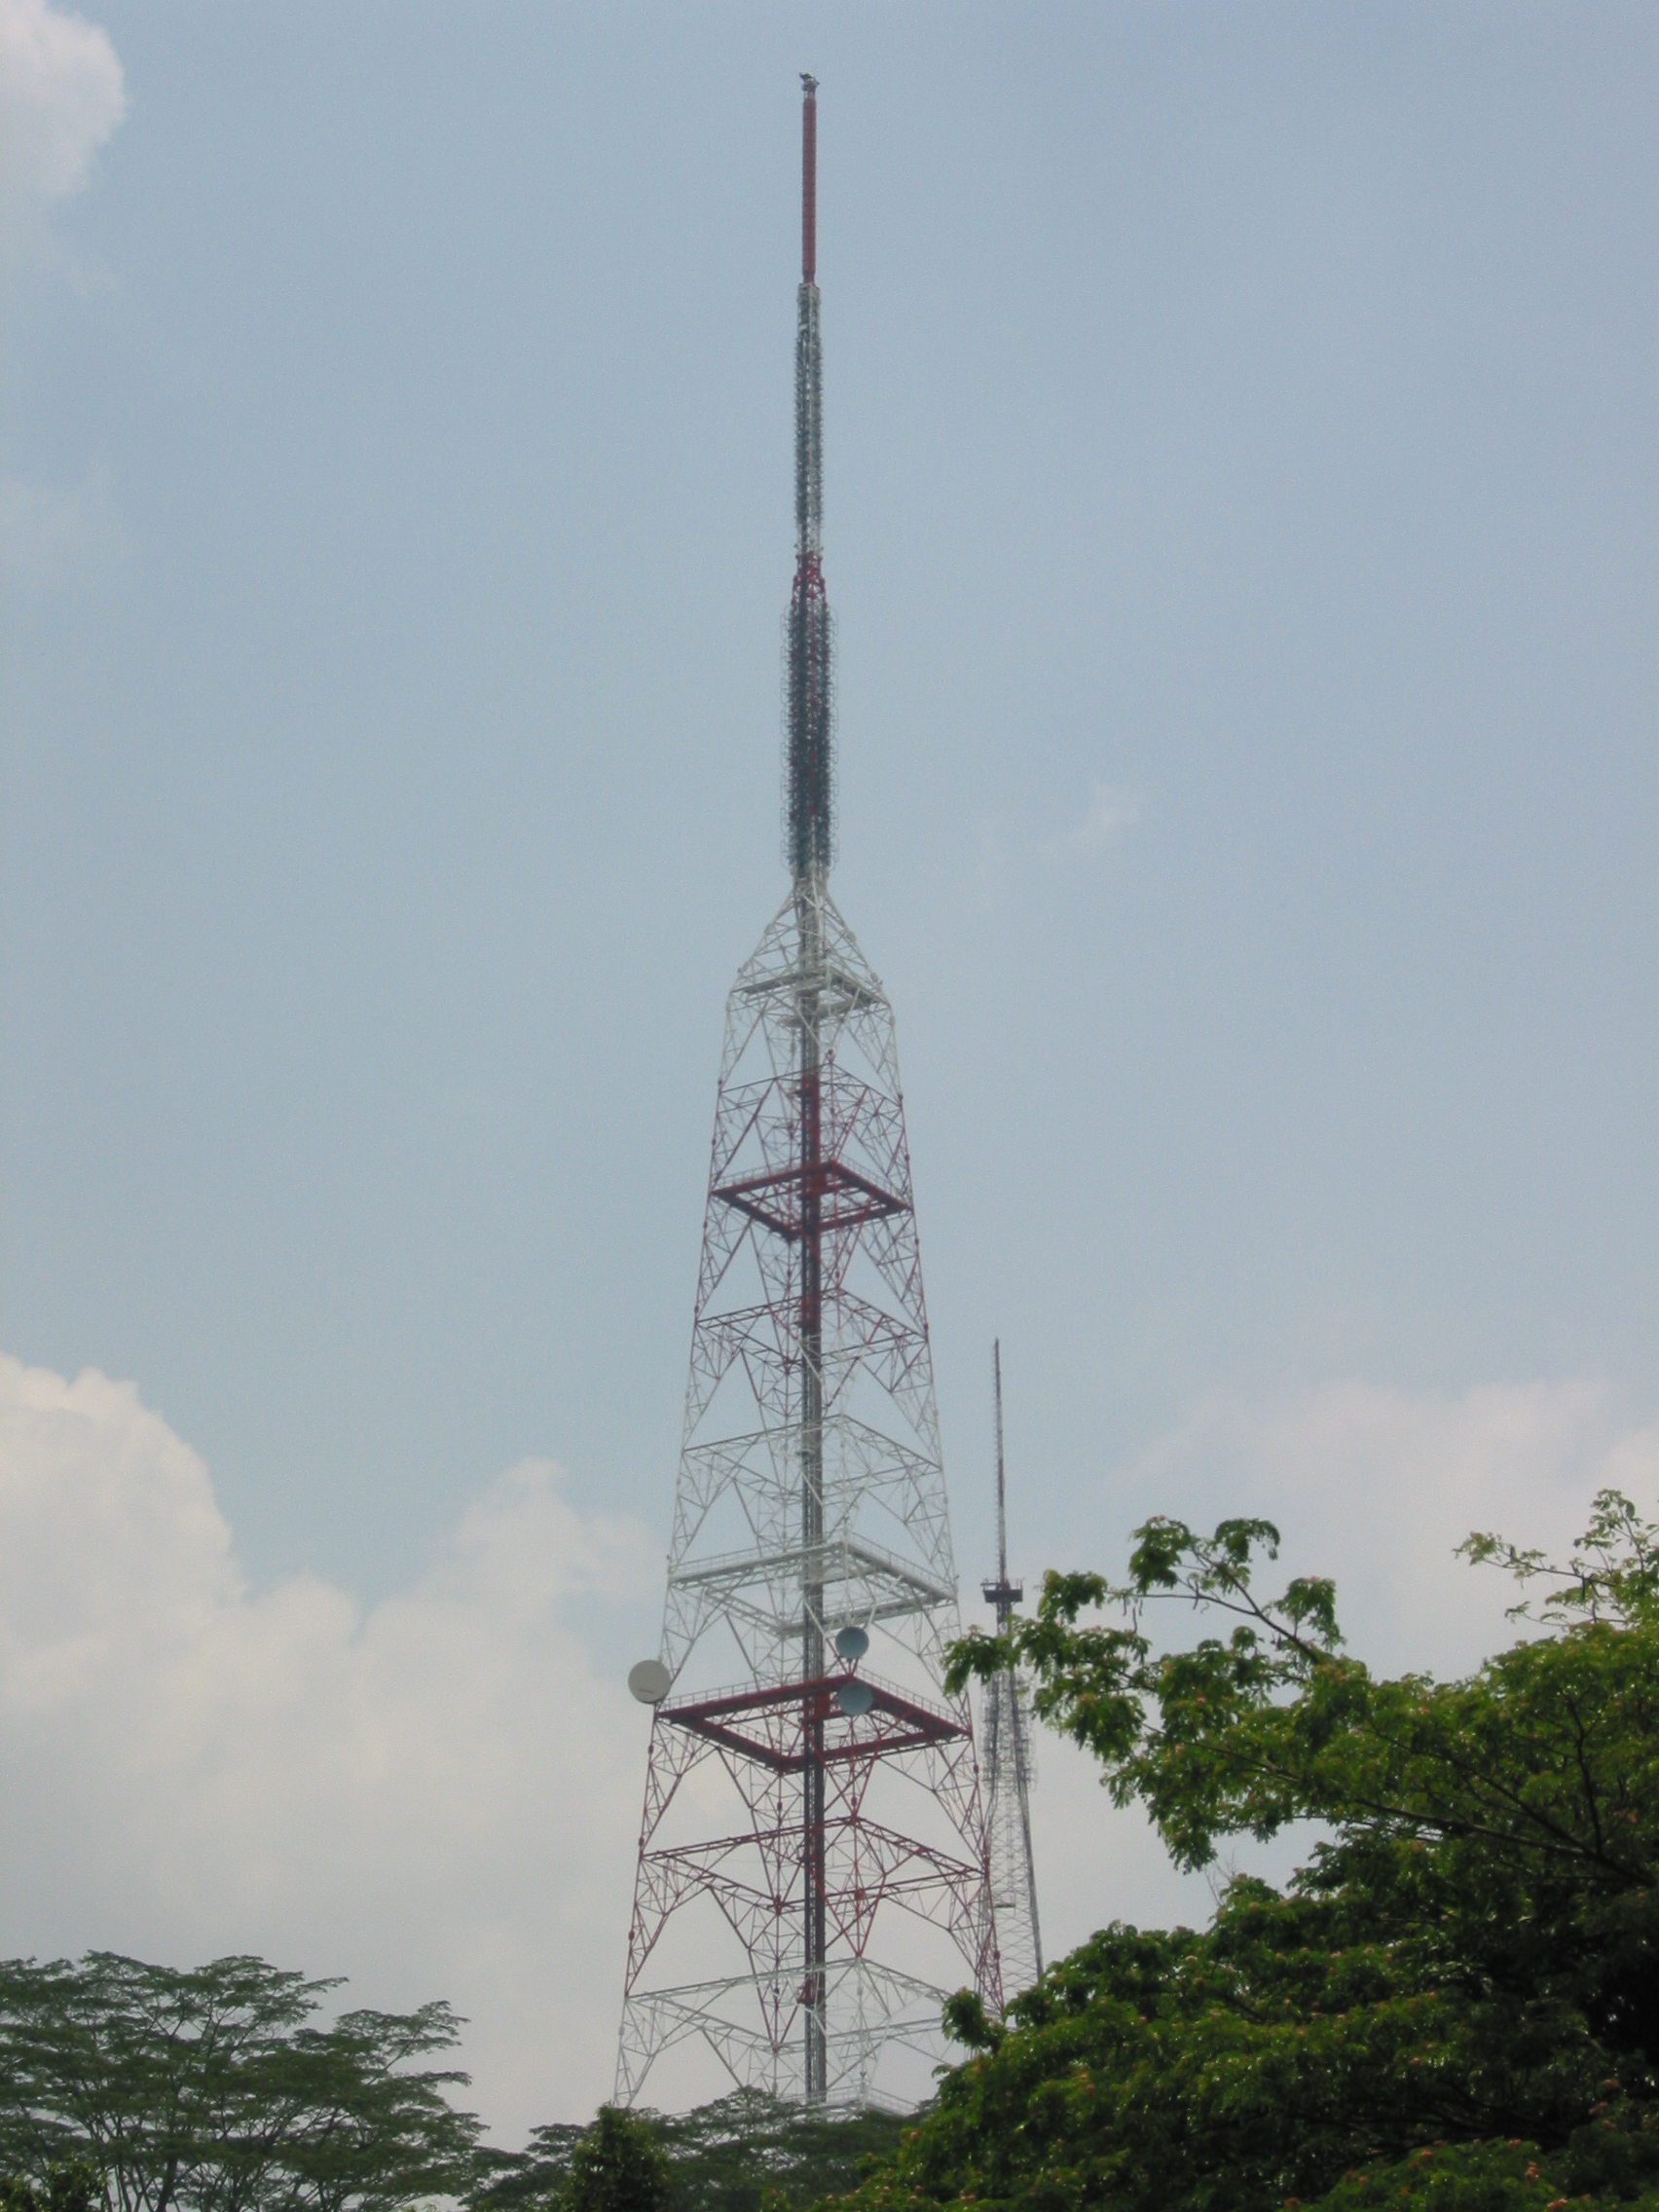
(438, 1796)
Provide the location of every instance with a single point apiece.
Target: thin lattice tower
(1010, 1771)
(812, 1874)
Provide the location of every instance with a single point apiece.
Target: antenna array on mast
(809, 784)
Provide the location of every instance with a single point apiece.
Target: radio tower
(812, 1874)
(1009, 1769)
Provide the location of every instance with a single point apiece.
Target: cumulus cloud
(61, 94)
(438, 1796)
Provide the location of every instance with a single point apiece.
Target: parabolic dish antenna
(855, 1698)
(650, 1681)
(852, 1643)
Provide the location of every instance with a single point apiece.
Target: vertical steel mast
(814, 1872)
(1009, 1768)
(809, 840)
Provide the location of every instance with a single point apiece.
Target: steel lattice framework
(1010, 1769)
(812, 1874)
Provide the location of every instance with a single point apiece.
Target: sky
(1240, 456)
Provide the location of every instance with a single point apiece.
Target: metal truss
(882, 2010)
(1010, 1770)
(898, 1839)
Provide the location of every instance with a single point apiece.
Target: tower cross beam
(846, 1199)
(891, 1722)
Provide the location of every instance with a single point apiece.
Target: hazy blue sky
(1241, 521)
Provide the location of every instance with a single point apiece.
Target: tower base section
(874, 2012)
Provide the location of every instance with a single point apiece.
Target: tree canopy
(742, 2153)
(214, 2091)
(1456, 1999)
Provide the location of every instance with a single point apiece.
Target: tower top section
(808, 179)
(809, 775)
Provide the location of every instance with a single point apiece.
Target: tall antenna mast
(809, 865)
(1010, 1771)
(845, 1889)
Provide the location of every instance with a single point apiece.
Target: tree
(213, 2091)
(67, 2189)
(530, 2180)
(743, 2152)
(755, 2153)
(1458, 1996)
(616, 2166)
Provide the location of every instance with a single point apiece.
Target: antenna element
(808, 179)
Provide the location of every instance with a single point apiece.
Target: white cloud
(62, 96)
(1108, 810)
(438, 1797)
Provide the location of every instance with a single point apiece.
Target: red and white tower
(813, 1876)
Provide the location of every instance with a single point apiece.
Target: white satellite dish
(650, 1681)
(852, 1643)
(855, 1698)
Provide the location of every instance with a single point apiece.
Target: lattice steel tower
(813, 1875)
(1009, 1768)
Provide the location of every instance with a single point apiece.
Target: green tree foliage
(1456, 2002)
(530, 2180)
(752, 2153)
(616, 2166)
(745, 2153)
(66, 2188)
(214, 2091)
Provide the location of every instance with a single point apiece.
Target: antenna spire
(808, 178)
(1003, 1594)
(1002, 1489)
(809, 775)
